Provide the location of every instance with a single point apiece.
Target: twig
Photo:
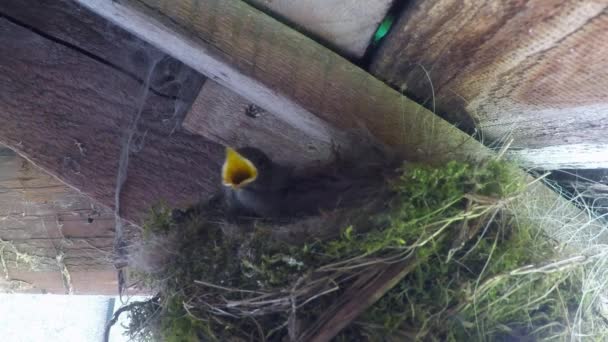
(366, 291)
(110, 324)
(230, 289)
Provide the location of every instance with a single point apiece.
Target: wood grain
(357, 298)
(590, 187)
(40, 218)
(536, 70)
(228, 119)
(65, 21)
(286, 73)
(218, 113)
(590, 155)
(70, 113)
(346, 25)
(71, 25)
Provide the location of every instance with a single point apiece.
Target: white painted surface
(206, 59)
(346, 24)
(58, 318)
(50, 318)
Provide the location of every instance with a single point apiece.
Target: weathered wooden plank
(218, 112)
(32, 199)
(106, 42)
(71, 114)
(591, 155)
(285, 72)
(347, 25)
(102, 282)
(41, 218)
(534, 69)
(292, 76)
(67, 23)
(228, 119)
(64, 27)
(63, 20)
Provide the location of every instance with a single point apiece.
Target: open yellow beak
(237, 170)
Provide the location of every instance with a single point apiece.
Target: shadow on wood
(536, 70)
(52, 239)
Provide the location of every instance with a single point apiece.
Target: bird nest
(440, 258)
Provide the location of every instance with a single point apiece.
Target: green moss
(476, 297)
(451, 218)
(159, 220)
(177, 325)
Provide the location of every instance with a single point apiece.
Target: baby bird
(254, 185)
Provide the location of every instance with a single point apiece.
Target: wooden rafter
(286, 73)
(535, 70)
(307, 85)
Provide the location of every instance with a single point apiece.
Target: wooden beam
(65, 22)
(346, 25)
(535, 70)
(71, 114)
(357, 298)
(228, 119)
(572, 156)
(225, 117)
(68, 24)
(285, 72)
(292, 76)
(215, 112)
(342, 24)
(52, 239)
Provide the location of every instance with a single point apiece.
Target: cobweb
(165, 76)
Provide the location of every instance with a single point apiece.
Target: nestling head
(242, 167)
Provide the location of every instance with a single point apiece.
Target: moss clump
(479, 294)
(476, 273)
